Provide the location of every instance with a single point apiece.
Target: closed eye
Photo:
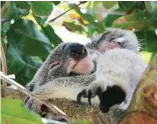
(52, 65)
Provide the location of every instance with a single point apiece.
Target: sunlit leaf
(13, 112)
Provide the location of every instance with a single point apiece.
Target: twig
(53, 108)
(52, 20)
(4, 7)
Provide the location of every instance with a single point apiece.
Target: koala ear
(111, 96)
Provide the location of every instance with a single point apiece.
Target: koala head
(116, 38)
(70, 59)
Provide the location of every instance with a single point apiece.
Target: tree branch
(52, 20)
(52, 107)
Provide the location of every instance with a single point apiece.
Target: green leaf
(126, 5)
(33, 47)
(91, 29)
(48, 31)
(138, 25)
(109, 4)
(15, 11)
(14, 61)
(137, 21)
(14, 113)
(73, 27)
(79, 122)
(42, 8)
(23, 4)
(109, 20)
(28, 38)
(151, 6)
(56, 2)
(26, 74)
(148, 40)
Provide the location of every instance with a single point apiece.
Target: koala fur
(111, 64)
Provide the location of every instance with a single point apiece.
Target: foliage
(13, 112)
(27, 42)
(27, 38)
(140, 16)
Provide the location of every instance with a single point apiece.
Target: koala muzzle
(75, 50)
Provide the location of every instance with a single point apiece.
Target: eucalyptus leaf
(48, 31)
(13, 112)
(148, 40)
(126, 5)
(41, 8)
(109, 4)
(14, 12)
(28, 38)
(109, 20)
(151, 6)
(15, 62)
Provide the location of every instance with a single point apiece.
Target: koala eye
(64, 46)
(54, 64)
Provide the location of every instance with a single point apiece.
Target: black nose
(75, 50)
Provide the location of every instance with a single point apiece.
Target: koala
(107, 71)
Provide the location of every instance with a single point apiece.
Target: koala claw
(35, 106)
(85, 94)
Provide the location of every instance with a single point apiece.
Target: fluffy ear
(115, 38)
(113, 95)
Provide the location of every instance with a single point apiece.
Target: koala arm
(67, 87)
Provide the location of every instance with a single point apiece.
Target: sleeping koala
(108, 68)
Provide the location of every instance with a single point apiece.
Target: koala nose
(75, 50)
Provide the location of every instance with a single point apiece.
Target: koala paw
(89, 92)
(108, 95)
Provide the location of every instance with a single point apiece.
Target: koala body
(108, 67)
(117, 68)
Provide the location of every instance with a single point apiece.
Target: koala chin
(109, 68)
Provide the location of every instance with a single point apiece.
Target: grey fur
(47, 81)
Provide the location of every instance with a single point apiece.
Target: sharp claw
(82, 93)
(89, 97)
